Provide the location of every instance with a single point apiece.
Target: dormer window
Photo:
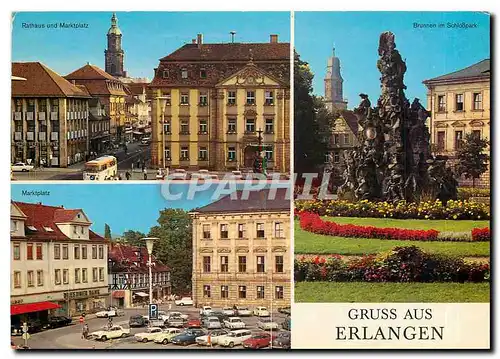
(13, 226)
(184, 73)
(165, 74)
(48, 229)
(32, 228)
(203, 74)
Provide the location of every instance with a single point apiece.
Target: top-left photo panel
(102, 96)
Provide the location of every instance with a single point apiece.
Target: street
(70, 337)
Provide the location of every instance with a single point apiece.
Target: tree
(134, 238)
(472, 159)
(174, 247)
(107, 231)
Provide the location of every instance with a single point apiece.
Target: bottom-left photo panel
(149, 266)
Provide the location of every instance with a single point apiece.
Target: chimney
(274, 39)
(193, 41)
(200, 40)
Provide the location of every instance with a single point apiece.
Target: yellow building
(211, 100)
(460, 104)
(241, 251)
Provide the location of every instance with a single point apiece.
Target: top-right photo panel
(392, 155)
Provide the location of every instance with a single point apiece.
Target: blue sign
(153, 311)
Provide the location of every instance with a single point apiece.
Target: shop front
(86, 300)
(35, 315)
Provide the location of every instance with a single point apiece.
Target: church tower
(114, 54)
(334, 96)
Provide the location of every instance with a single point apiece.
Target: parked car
(136, 321)
(193, 323)
(286, 324)
(267, 324)
(282, 340)
(178, 174)
(234, 323)
(58, 321)
(162, 315)
(116, 331)
(221, 316)
(188, 337)
(184, 301)
(157, 323)
(285, 310)
(176, 314)
(176, 322)
(229, 311)
(110, 312)
(236, 337)
(21, 167)
(243, 311)
(215, 335)
(206, 310)
(257, 341)
(145, 141)
(34, 326)
(212, 323)
(149, 335)
(166, 336)
(236, 175)
(261, 312)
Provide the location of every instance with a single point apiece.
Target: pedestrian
(143, 166)
(138, 163)
(127, 175)
(145, 173)
(132, 169)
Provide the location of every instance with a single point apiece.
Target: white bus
(100, 169)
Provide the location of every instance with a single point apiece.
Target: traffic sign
(82, 319)
(26, 336)
(153, 311)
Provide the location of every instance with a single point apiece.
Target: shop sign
(81, 294)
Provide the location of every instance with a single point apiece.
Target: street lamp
(149, 245)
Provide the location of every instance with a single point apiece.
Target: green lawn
(310, 243)
(361, 292)
(439, 225)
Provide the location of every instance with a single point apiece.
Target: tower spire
(114, 53)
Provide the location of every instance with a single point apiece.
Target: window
(269, 153)
(459, 102)
(166, 127)
(278, 261)
(477, 101)
(31, 106)
(260, 292)
(231, 125)
(242, 292)
(441, 140)
(206, 291)
(223, 231)
(84, 252)
(57, 276)
(39, 251)
(29, 251)
(250, 97)
(65, 251)
(76, 251)
(101, 274)
(94, 274)
(167, 153)
(57, 251)
(55, 105)
(260, 264)
(168, 98)
(242, 264)
(279, 292)
(94, 252)
(165, 74)
(184, 73)
(242, 231)
(458, 139)
(82, 230)
(203, 154)
(336, 139)
(101, 252)
(39, 278)
(224, 291)
(16, 251)
(476, 134)
(279, 231)
(203, 73)
(206, 264)
(224, 266)
(231, 154)
(203, 99)
(441, 103)
(206, 231)
(260, 230)
(203, 127)
(231, 97)
(269, 125)
(346, 139)
(75, 230)
(184, 127)
(30, 278)
(269, 98)
(65, 276)
(336, 157)
(84, 275)
(17, 279)
(13, 226)
(42, 106)
(184, 154)
(184, 98)
(19, 105)
(77, 275)
(250, 125)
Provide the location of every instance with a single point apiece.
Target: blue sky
(147, 36)
(428, 52)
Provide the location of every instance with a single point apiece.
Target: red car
(257, 341)
(193, 323)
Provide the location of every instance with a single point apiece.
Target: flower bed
(468, 192)
(454, 210)
(481, 234)
(401, 264)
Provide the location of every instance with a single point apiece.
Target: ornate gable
(251, 76)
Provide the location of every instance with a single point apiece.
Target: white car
(206, 310)
(215, 336)
(236, 337)
(177, 314)
(184, 301)
(109, 313)
(261, 312)
(162, 315)
(229, 311)
(234, 323)
(116, 331)
(21, 167)
(166, 336)
(178, 174)
(149, 334)
(243, 311)
(267, 324)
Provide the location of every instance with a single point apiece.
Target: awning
(141, 294)
(118, 294)
(32, 307)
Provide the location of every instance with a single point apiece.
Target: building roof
(351, 120)
(137, 88)
(40, 217)
(90, 72)
(97, 81)
(480, 70)
(41, 81)
(257, 201)
(231, 52)
(132, 259)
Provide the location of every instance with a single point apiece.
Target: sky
(428, 52)
(147, 36)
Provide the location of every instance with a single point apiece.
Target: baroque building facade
(211, 101)
(241, 251)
